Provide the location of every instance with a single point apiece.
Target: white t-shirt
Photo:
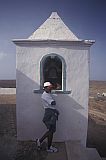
(47, 99)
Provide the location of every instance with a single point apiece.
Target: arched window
(52, 69)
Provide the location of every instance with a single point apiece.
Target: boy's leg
(44, 136)
(50, 138)
(51, 149)
(39, 141)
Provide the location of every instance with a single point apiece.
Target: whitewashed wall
(73, 119)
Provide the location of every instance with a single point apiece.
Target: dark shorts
(51, 128)
(50, 120)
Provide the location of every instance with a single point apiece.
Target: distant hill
(96, 85)
(8, 83)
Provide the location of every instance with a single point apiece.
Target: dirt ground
(97, 118)
(96, 125)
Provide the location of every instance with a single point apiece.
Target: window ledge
(53, 92)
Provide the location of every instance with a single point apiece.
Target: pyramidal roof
(53, 29)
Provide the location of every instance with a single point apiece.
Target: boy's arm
(53, 103)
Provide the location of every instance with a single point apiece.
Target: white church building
(53, 53)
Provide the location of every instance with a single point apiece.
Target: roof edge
(27, 42)
(19, 41)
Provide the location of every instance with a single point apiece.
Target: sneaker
(52, 149)
(38, 144)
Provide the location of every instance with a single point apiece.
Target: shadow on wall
(72, 123)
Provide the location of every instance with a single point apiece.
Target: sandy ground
(97, 118)
(96, 125)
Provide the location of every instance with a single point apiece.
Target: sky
(85, 18)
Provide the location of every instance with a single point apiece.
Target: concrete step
(93, 154)
(61, 155)
(76, 151)
(73, 150)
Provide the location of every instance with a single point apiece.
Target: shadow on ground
(97, 136)
(11, 149)
(28, 151)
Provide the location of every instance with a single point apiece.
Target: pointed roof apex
(54, 15)
(53, 29)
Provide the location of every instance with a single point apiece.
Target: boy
(50, 116)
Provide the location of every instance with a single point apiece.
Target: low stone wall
(7, 90)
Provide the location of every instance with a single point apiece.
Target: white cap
(46, 84)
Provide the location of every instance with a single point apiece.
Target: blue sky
(86, 18)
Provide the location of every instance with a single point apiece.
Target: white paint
(104, 94)
(73, 108)
(73, 119)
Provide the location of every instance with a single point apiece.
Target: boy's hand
(58, 86)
